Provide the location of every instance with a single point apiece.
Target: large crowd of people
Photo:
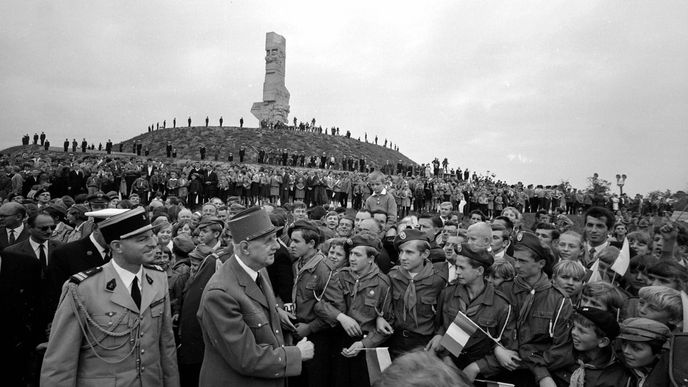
(190, 273)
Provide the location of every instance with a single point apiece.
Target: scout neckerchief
(410, 298)
(540, 285)
(578, 376)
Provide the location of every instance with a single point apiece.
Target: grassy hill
(230, 139)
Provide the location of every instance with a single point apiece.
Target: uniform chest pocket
(429, 302)
(541, 320)
(255, 320)
(312, 284)
(487, 321)
(157, 308)
(108, 320)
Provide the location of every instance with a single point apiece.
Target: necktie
(136, 292)
(108, 255)
(12, 239)
(42, 257)
(259, 282)
(592, 253)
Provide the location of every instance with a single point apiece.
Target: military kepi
(250, 224)
(125, 225)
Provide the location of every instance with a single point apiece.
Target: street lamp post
(620, 181)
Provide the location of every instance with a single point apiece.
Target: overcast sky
(532, 91)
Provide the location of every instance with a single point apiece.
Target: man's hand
(350, 325)
(434, 344)
(547, 382)
(285, 319)
(669, 232)
(507, 358)
(472, 370)
(353, 349)
(382, 326)
(306, 348)
(303, 329)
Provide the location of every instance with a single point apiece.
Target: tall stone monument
(275, 106)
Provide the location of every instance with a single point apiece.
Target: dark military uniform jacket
(100, 337)
(418, 317)
(491, 311)
(363, 299)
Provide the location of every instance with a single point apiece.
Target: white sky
(535, 91)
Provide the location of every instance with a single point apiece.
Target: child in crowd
(570, 246)
(380, 199)
(642, 347)
(568, 276)
(661, 304)
(501, 271)
(592, 333)
(602, 295)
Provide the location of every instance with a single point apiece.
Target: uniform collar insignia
(111, 285)
(149, 279)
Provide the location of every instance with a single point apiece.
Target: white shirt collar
(598, 248)
(17, 231)
(500, 254)
(126, 276)
(383, 192)
(35, 246)
(100, 248)
(252, 273)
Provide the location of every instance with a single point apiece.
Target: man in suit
(13, 230)
(210, 182)
(244, 343)
(19, 295)
(124, 309)
(83, 254)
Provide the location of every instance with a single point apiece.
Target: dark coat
(43, 312)
(282, 275)
(242, 332)
(69, 259)
(19, 295)
(4, 242)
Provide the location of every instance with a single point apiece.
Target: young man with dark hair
(543, 350)
(598, 222)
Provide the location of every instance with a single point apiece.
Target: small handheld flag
(622, 262)
(377, 360)
(458, 333)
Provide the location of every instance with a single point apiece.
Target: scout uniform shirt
(100, 337)
(311, 282)
(543, 314)
(414, 300)
(491, 311)
(363, 299)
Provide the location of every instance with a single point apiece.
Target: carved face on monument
(274, 60)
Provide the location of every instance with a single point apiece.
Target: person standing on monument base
(113, 324)
(244, 343)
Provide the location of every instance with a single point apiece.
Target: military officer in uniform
(113, 325)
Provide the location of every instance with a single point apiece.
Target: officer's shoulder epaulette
(80, 277)
(501, 294)
(153, 267)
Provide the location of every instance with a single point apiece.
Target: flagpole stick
(483, 331)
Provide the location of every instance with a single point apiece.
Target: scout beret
(211, 220)
(200, 252)
(316, 213)
(602, 319)
(303, 225)
(125, 225)
(79, 209)
(250, 224)
(98, 197)
(526, 240)
(409, 235)
(484, 258)
(40, 192)
(643, 329)
(365, 239)
(183, 244)
(59, 207)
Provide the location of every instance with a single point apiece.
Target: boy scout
(544, 350)
(416, 287)
(113, 324)
(485, 306)
(312, 278)
(362, 293)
